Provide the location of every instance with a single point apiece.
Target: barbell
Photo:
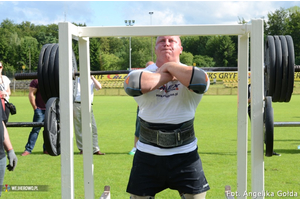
(278, 74)
(278, 71)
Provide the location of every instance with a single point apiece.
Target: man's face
(168, 48)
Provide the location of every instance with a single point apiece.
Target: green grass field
(216, 129)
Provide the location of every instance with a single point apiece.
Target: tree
(276, 24)
(109, 62)
(26, 29)
(203, 61)
(293, 29)
(141, 51)
(221, 49)
(95, 54)
(29, 52)
(195, 44)
(186, 58)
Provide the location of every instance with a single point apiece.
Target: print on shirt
(168, 90)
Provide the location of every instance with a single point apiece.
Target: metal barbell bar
(34, 75)
(25, 124)
(286, 124)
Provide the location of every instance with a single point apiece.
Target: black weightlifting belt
(167, 135)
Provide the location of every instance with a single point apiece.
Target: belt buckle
(176, 136)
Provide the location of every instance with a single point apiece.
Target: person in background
(39, 108)
(137, 121)
(167, 152)
(77, 117)
(5, 90)
(5, 145)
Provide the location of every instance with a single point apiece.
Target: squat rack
(254, 29)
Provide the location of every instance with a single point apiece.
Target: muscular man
(166, 155)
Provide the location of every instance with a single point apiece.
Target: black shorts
(151, 174)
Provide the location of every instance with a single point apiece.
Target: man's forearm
(32, 101)
(7, 144)
(152, 81)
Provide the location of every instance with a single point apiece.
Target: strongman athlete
(166, 155)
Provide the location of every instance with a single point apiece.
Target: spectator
(77, 117)
(39, 108)
(5, 145)
(166, 155)
(4, 90)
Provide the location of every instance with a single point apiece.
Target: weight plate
(40, 72)
(270, 59)
(269, 126)
(45, 72)
(51, 131)
(284, 68)
(291, 67)
(56, 71)
(278, 69)
(51, 72)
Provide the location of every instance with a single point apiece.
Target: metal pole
(130, 53)
(257, 85)
(29, 60)
(129, 23)
(151, 13)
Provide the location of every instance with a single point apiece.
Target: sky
(113, 13)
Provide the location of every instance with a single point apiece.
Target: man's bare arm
(31, 96)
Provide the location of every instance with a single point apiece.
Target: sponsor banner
(297, 76)
(111, 77)
(222, 76)
(219, 76)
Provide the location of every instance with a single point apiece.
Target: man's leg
(77, 124)
(37, 117)
(193, 196)
(132, 196)
(96, 147)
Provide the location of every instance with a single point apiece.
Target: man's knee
(194, 196)
(133, 196)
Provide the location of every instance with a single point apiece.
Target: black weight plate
(284, 68)
(40, 72)
(45, 72)
(269, 126)
(56, 71)
(51, 72)
(270, 59)
(291, 67)
(278, 65)
(51, 131)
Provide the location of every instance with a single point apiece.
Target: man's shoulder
(34, 83)
(151, 67)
